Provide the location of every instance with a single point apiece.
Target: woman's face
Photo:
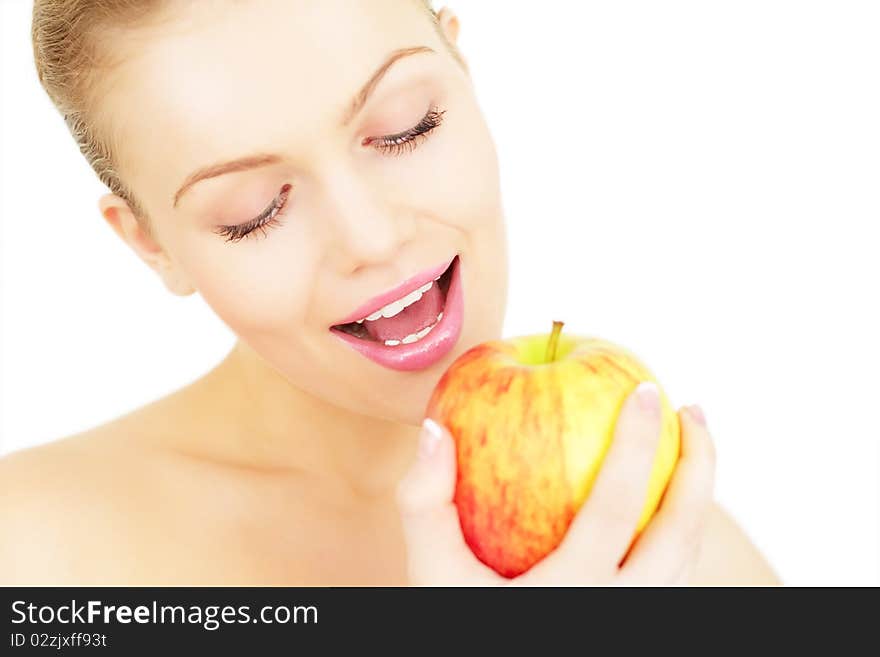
(354, 197)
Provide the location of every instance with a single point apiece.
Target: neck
(275, 426)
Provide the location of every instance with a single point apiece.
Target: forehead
(225, 78)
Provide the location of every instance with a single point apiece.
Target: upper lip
(407, 286)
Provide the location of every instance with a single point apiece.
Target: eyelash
(408, 139)
(267, 218)
(395, 144)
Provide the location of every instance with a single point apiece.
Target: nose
(365, 226)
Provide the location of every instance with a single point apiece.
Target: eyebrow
(264, 159)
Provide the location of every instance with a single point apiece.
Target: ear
(125, 224)
(448, 22)
(449, 25)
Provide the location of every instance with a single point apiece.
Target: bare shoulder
(728, 557)
(139, 501)
(78, 501)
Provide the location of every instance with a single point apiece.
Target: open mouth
(407, 319)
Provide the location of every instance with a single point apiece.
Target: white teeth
(395, 307)
(412, 337)
(411, 298)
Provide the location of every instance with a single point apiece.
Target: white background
(695, 180)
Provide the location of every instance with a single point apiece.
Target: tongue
(410, 320)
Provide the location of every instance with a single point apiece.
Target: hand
(600, 534)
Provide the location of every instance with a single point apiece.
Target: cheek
(259, 285)
(453, 175)
(465, 180)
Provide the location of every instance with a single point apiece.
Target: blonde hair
(67, 36)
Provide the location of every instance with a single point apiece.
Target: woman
(321, 173)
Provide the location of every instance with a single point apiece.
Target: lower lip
(425, 352)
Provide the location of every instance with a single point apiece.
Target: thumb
(436, 551)
(430, 481)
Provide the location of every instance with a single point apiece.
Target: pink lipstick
(411, 326)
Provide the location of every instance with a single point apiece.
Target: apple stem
(553, 342)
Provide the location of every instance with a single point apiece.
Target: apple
(532, 418)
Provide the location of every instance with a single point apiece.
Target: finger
(436, 551)
(671, 540)
(603, 529)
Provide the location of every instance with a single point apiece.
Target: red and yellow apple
(532, 418)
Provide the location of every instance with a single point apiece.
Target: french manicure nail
(648, 397)
(697, 413)
(430, 438)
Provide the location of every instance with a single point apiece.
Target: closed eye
(408, 139)
(267, 218)
(395, 144)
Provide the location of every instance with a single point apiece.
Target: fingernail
(698, 415)
(648, 397)
(430, 438)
